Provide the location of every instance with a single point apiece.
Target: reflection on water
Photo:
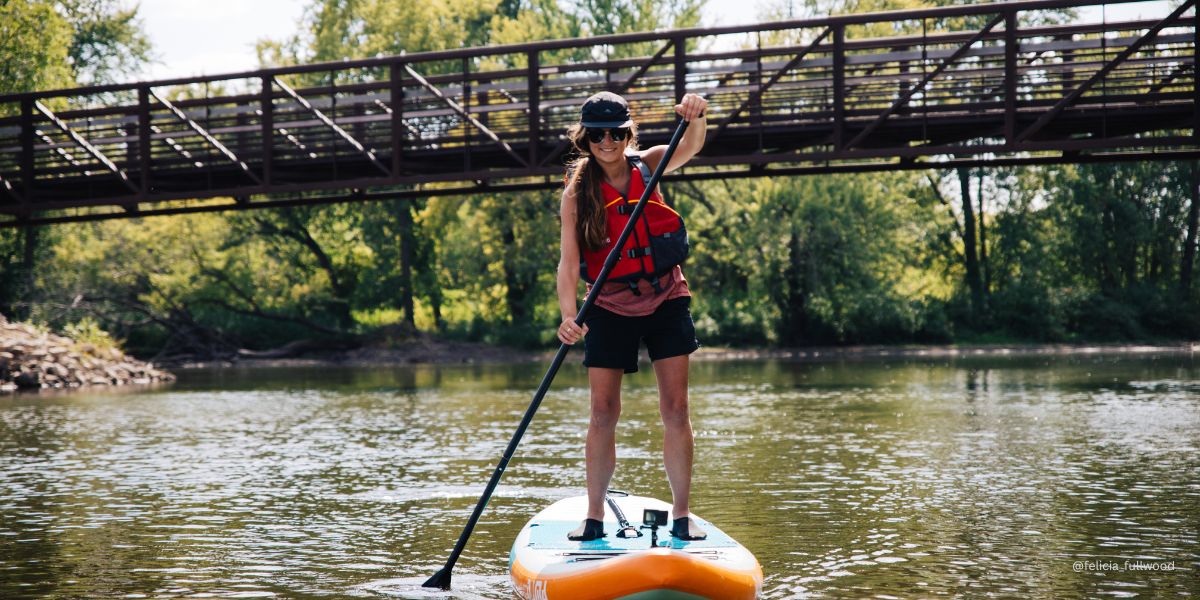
(1013, 477)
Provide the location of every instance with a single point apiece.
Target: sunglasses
(595, 135)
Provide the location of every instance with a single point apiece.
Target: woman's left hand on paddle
(569, 332)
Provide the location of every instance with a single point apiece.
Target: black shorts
(613, 340)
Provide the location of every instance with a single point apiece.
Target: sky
(206, 37)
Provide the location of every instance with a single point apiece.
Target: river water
(1019, 477)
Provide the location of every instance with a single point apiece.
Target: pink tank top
(619, 297)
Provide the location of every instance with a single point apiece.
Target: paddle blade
(441, 580)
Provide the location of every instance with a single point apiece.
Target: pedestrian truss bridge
(1022, 82)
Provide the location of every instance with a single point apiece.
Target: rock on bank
(32, 359)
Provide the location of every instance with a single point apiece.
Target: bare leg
(672, 375)
(600, 455)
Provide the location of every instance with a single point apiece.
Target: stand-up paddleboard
(545, 565)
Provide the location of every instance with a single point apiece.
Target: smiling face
(607, 150)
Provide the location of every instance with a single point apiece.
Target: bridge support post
(396, 90)
(144, 130)
(132, 137)
(466, 104)
(267, 106)
(1010, 77)
(27, 135)
(535, 113)
(680, 44)
(839, 87)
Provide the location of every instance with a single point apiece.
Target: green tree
(36, 40)
(108, 42)
(831, 259)
(325, 248)
(1124, 226)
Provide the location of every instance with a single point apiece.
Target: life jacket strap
(658, 289)
(633, 287)
(638, 252)
(642, 168)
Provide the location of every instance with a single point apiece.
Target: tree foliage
(108, 42)
(35, 39)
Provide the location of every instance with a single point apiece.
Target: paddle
(441, 579)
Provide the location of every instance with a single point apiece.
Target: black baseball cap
(605, 109)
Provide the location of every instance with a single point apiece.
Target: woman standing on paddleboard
(645, 298)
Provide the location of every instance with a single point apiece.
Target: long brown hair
(584, 177)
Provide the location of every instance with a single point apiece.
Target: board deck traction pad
(551, 534)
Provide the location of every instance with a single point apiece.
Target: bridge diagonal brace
(87, 147)
(328, 122)
(177, 147)
(12, 191)
(645, 67)
(388, 110)
(207, 136)
(433, 89)
(1075, 94)
(1028, 62)
(563, 143)
(758, 94)
(909, 93)
(1171, 77)
(67, 156)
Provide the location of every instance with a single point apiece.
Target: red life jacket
(658, 242)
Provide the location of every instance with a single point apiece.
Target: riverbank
(417, 349)
(31, 358)
(946, 351)
(430, 350)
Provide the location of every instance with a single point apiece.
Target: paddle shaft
(441, 579)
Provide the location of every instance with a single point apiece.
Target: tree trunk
(404, 210)
(971, 258)
(983, 254)
(1110, 272)
(797, 282)
(1189, 244)
(435, 304)
(514, 289)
